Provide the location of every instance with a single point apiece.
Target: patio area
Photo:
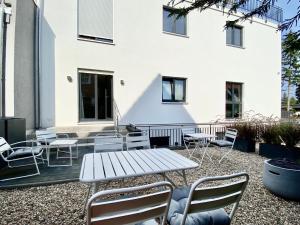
(63, 203)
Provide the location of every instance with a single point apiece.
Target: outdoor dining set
(116, 157)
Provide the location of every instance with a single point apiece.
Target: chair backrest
(4, 146)
(42, 135)
(137, 140)
(230, 135)
(132, 209)
(107, 133)
(109, 143)
(188, 130)
(216, 197)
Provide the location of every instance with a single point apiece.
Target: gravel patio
(63, 203)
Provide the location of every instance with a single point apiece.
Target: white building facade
(102, 60)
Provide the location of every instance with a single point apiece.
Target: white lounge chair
(12, 155)
(204, 205)
(137, 140)
(227, 142)
(109, 143)
(139, 210)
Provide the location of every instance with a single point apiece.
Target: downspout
(37, 41)
(5, 13)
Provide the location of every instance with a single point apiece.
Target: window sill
(91, 122)
(236, 46)
(175, 103)
(95, 41)
(174, 34)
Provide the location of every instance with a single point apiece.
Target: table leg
(70, 147)
(184, 177)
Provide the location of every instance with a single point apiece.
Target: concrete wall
(24, 61)
(142, 53)
(20, 61)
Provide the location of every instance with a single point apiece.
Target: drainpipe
(5, 13)
(37, 68)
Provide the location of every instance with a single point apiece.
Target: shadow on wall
(149, 108)
(47, 73)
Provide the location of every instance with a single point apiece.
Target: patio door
(95, 97)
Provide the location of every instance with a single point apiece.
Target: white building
(105, 59)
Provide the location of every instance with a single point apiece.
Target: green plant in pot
(246, 136)
(290, 134)
(271, 134)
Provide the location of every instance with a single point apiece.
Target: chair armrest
(24, 142)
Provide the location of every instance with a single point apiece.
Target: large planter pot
(272, 151)
(282, 180)
(244, 145)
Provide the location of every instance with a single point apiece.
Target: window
(95, 97)
(95, 20)
(172, 24)
(233, 100)
(173, 89)
(234, 36)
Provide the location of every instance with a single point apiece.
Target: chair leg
(225, 155)
(29, 175)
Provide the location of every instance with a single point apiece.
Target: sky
(289, 9)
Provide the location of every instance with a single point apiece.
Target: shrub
(270, 134)
(290, 134)
(245, 130)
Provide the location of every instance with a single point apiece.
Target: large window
(173, 23)
(233, 100)
(95, 20)
(95, 97)
(234, 36)
(173, 89)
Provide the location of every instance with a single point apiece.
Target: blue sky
(289, 9)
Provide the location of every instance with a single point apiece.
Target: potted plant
(246, 137)
(280, 140)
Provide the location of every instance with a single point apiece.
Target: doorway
(95, 97)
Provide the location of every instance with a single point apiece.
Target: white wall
(142, 53)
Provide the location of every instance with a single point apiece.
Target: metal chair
(227, 142)
(16, 154)
(207, 203)
(137, 140)
(130, 209)
(189, 141)
(109, 143)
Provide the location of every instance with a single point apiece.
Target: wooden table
(106, 166)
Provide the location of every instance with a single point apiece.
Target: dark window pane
(87, 96)
(234, 36)
(236, 93)
(237, 36)
(228, 92)
(236, 110)
(168, 21)
(229, 36)
(228, 110)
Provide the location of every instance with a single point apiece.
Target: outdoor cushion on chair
(222, 143)
(24, 152)
(178, 204)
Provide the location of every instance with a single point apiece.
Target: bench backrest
(137, 140)
(109, 143)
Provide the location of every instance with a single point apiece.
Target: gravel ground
(63, 203)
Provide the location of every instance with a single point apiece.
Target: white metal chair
(207, 203)
(137, 140)
(141, 209)
(227, 142)
(189, 141)
(16, 154)
(109, 143)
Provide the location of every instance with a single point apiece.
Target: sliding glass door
(95, 97)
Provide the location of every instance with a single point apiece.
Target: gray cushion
(221, 143)
(178, 203)
(25, 152)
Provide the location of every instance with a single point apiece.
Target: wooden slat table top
(107, 166)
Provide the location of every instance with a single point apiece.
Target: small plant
(290, 134)
(270, 134)
(246, 130)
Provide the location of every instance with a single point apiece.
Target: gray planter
(282, 181)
